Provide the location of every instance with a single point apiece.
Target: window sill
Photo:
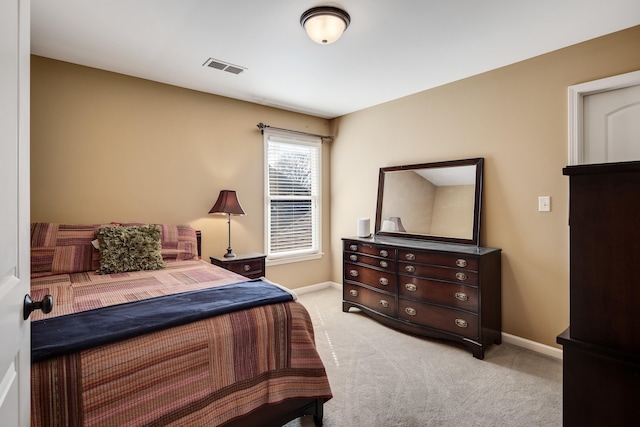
(290, 259)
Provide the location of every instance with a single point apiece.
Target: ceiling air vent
(224, 66)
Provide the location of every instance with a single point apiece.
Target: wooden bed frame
(279, 414)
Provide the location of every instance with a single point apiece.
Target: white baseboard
(547, 350)
(508, 338)
(316, 287)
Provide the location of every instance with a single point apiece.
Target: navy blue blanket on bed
(80, 331)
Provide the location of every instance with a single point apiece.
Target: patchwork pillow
(131, 248)
(179, 242)
(62, 248)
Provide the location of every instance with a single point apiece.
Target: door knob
(46, 305)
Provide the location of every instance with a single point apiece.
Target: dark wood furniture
(423, 271)
(251, 265)
(280, 414)
(601, 375)
(432, 289)
(439, 201)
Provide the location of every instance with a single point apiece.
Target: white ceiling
(458, 175)
(393, 48)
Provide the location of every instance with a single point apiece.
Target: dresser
(601, 347)
(432, 289)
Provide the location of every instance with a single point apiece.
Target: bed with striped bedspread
(210, 372)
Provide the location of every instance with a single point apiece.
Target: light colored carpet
(381, 377)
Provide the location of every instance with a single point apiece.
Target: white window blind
(292, 190)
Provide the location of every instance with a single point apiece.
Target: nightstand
(250, 265)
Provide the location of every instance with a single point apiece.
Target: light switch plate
(544, 204)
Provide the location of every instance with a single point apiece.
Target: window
(292, 197)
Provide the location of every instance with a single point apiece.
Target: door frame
(576, 95)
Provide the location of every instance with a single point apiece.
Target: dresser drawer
(447, 319)
(445, 293)
(466, 262)
(368, 249)
(383, 263)
(248, 268)
(455, 275)
(377, 301)
(368, 276)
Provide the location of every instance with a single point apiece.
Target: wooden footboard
(280, 414)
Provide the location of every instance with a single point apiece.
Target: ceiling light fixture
(325, 24)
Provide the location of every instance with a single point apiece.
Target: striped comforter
(203, 373)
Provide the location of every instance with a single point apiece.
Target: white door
(612, 126)
(14, 212)
(604, 120)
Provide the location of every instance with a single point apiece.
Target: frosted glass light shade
(325, 25)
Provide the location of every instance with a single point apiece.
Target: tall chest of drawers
(431, 289)
(601, 348)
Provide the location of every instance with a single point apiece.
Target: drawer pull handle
(353, 257)
(410, 256)
(384, 253)
(353, 247)
(410, 311)
(384, 281)
(410, 268)
(461, 262)
(462, 296)
(461, 323)
(461, 276)
(246, 267)
(384, 264)
(353, 292)
(384, 303)
(353, 273)
(411, 287)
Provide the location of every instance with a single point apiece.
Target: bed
(180, 342)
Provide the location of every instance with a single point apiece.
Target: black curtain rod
(262, 127)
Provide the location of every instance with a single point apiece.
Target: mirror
(431, 201)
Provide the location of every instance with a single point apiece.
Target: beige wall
(411, 197)
(454, 211)
(516, 118)
(107, 147)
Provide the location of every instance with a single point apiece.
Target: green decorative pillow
(134, 248)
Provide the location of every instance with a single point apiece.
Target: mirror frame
(477, 206)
